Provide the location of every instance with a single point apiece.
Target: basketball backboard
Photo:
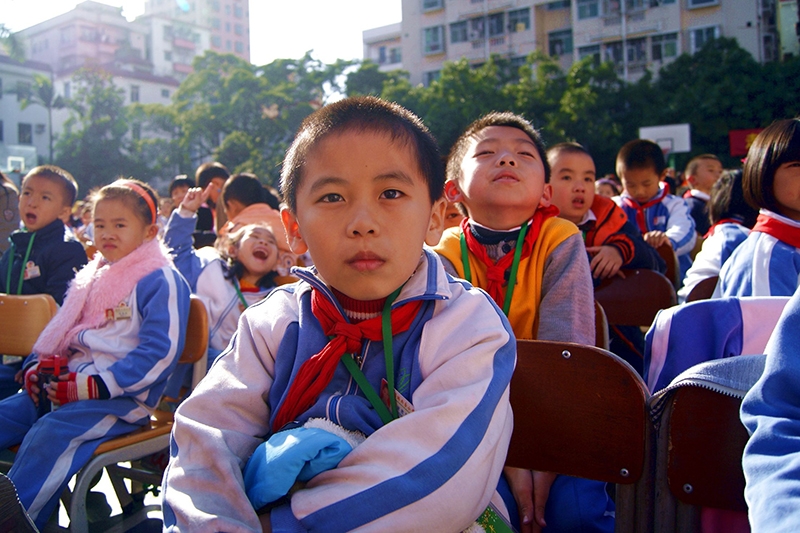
(672, 138)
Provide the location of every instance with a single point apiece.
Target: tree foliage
(43, 93)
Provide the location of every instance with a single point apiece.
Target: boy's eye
(391, 194)
(527, 154)
(483, 152)
(331, 198)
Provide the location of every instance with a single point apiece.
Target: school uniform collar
(700, 195)
(55, 230)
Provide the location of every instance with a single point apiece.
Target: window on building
(164, 93)
(477, 28)
(238, 29)
(23, 90)
(215, 5)
(167, 55)
(431, 76)
(228, 27)
(134, 93)
(458, 32)
(396, 55)
(558, 4)
(216, 24)
(39, 129)
(216, 41)
(637, 50)
(702, 3)
(588, 9)
(67, 90)
(433, 40)
(496, 24)
(227, 44)
(168, 33)
(24, 133)
(664, 46)
(238, 46)
(700, 36)
(227, 9)
(590, 51)
(613, 52)
(381, 55)
(67, 35)
(519, 20)
(238, 12)
(430, 5)
(560, 42)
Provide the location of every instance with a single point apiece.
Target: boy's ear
(436, 226)
(151, 232)
(691, 180)
(65, 213)
(547, 195)
(452, 192)
(664, 174)
(293, 235)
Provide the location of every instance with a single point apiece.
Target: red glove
(78, 387)
(33, 370)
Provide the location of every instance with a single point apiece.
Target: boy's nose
(362, 223)
(507, 158)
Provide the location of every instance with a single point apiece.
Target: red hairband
(147, 198)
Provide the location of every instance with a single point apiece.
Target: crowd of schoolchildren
(363, 320)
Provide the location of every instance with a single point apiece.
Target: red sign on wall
(740, 140)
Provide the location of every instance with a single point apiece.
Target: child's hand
(194, 198)
(32, 383)
(606, 261)
(530, 490)
(73, 387)
(655, 238)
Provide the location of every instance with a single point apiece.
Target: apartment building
(634, 34)
(228, 21)
(384, 46)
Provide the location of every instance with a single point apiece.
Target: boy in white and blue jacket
(660, 216)
(363, 184)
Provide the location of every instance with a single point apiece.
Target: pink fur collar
(98, 286)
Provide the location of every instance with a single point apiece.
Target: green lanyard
(24, 262)
(512, 278)
(388, 353)
(239, 293)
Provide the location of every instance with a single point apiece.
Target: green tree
(12, 44)
(93, 146)
(43, 93)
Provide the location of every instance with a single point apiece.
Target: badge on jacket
(31, 271)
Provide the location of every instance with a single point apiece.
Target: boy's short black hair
(57, 175)
(181, 181)
(638, 154)
(364, 114)
(691, 166)
(777, 144)
(565, 148)
(208, 171)
(727, 200)
(495, 118)
(246, 189)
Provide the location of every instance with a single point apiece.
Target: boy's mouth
(260, 254)
(30, 218)
(366, 261)
(506, 177)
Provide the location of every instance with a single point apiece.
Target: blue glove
(293, 455)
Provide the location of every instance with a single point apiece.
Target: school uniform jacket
(55, 253)
(762, 265)
(434, 469)
(717, 248)
(205, 271)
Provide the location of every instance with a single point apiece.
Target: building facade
(634, 34)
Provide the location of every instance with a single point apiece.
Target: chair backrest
(635, 299)
(703, 290)
(578, 410)
(601, 335)
(195, 348)
(673, 272)
(23, 317)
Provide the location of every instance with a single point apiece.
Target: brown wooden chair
(703, 290)
(699, 460)
(601, 335)
(673, 272)
(23, 317)
(142, 442)
(581, 411)
(635, 299)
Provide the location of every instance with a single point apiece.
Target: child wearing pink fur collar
(117, 337)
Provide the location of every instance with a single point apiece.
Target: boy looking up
(498, 172)
(661, 217)
(363, 186)
(43, 256)
(702, 172)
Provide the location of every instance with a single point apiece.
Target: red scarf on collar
(496, 271)
(316, 373)
(639, 208)
(777, 228)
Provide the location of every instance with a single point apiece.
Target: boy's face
(257, 251)
(452, 216)
(641, 183)
(41, 201)
(706, 175)
(604, 189)
(572, 179)
(178, 193)
(215, 187)
(363, 212)
(502, 178)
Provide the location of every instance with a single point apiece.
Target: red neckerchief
(495, 272)
(687, 194)
(633, 204)
(710, 231)
(316, 373)
(777, 228)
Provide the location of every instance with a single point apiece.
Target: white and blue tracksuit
(134, 359)
(771, 413)
(671, 215)
(762, 265)
(717, 248)
(434, 469)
